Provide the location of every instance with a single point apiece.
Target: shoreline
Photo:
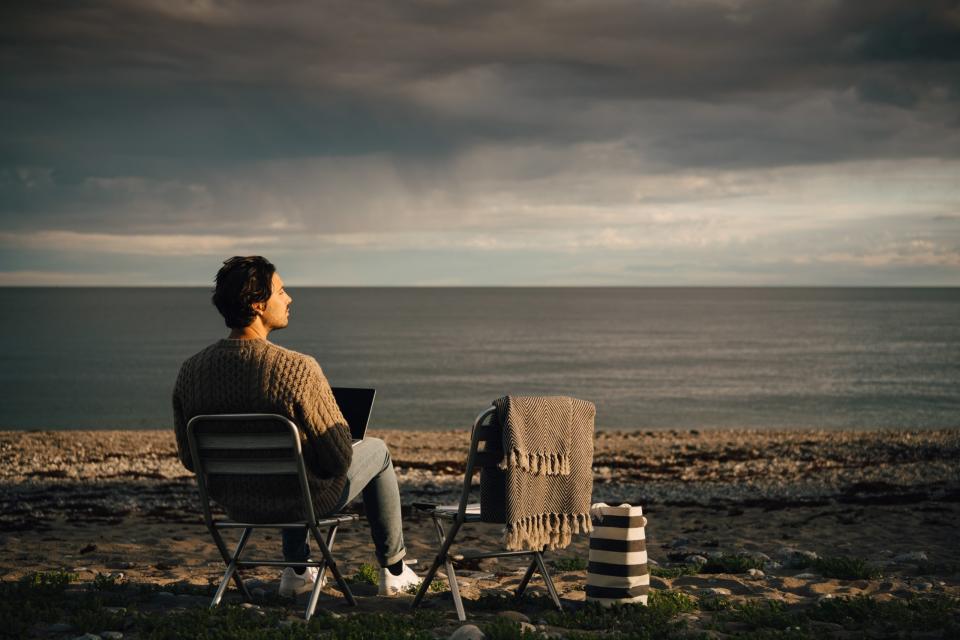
(119, 503)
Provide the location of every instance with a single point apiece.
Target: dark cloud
(154, 114)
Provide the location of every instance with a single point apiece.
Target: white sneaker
(292, 583)
(391, 585)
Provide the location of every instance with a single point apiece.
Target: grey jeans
(371, 472)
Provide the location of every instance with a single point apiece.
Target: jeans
(371, 472)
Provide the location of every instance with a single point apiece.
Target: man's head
(250, 292)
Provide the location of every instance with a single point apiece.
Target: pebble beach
(783, 504)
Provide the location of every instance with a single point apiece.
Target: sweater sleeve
(180, 422)
(329, 449)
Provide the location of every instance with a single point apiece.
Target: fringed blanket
(548, 458)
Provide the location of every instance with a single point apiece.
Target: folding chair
(273, 449)
(487, 431)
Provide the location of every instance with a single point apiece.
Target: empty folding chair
(487, 431)
(266, 445)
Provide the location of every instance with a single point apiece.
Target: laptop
(355, 405)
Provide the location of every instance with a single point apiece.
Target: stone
(911, 556)
(526, 627)
(923, 586)
(164, 595)
(258, 593)
(755, 573)
(772, 565)
(516, 616)
(88, 636)
(111, 635)
(715, 554)
(659, 583)
(796, 558)
(695, 559)
(60, 627)
(714, 591)
(806, 576)
(468, 632)
(676, 543)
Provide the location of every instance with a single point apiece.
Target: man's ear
(259, 307)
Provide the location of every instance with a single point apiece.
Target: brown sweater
(256, 376)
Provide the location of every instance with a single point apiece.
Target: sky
(449, 143)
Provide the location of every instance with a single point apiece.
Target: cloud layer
(681, 142)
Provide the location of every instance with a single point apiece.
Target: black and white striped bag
(617, 572)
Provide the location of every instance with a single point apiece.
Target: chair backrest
(245, 444)
(485, 432)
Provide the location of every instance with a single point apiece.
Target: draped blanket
(548, 459)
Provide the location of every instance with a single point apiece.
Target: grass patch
(505, 629)
(731, 564)
(570, 563)
(655, 620)
(845, 568)
(675, 571)
(367, 574)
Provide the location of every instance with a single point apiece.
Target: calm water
(648, 358)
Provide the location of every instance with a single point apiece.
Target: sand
(119, 502)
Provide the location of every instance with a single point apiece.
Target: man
(245, 373)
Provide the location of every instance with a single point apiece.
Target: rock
(516, 616)
(659, 583)
(756, 573)
(676, 543)
(772, 565)
(468, 632)
(258, 593)
(111, 635)
(526, 627)
(88, 636)
(911, 556)
(715, 554)
(164, 596)
(60, 627)
(796, 558)
(923, 586)
(714, 591)
(806, 576)
(758, 556)
(885, 586)
(695, 559)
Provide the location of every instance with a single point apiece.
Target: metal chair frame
(482, 431)
(200, 443)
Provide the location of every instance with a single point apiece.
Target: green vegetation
(505, 629)
(844, 568)
(367, 573)
(570, 563)
(674, 572)
(731, 564)
(29, 605)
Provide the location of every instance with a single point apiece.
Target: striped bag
(617, 573)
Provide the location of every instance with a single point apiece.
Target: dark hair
(239, 283)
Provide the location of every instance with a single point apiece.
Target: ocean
(649, 358)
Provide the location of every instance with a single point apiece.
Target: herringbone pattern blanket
(548, 457)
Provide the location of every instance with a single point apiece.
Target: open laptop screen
(355, 405)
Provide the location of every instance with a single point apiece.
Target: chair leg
(538, 558)
(328, 558)
(445, 542)
(526, 579)
(318, 585)
(231, 571)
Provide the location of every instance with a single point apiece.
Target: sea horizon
(650, 358)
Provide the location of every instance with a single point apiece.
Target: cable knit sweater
(256, 376)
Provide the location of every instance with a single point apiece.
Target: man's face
(276, 312)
